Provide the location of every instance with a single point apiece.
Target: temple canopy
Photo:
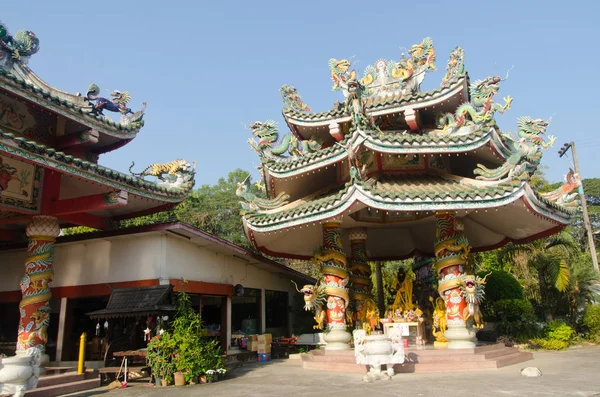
(390, 157)
(135, 302)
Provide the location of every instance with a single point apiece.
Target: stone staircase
(423, 360)
(51, 384)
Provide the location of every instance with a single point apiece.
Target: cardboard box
(252, 345)
(265, 338)
(253, 337)
(269, 338)
(263, 348)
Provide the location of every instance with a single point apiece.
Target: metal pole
(586, 219)
(80, 364)
(380, 295)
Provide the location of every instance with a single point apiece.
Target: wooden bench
(106, 372)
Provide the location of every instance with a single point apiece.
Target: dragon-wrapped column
(365, 311)
(452, 251)
(332, 261)
(34, 308)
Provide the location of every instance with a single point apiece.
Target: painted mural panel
(19, 184)
(14, 115)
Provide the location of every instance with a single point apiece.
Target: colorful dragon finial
(292, 100)
(563, 195)
(455, 67)
(526, 152)
(340, 73)
(480, 110)
(117, 104)
(267, 135)
(253, 203)
(20, 46)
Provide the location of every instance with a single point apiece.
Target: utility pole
(586, 219)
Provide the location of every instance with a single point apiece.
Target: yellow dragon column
(451, 252)
(366, 315)
(34, 307)
(332, 260)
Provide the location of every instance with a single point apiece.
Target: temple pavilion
(391, 172)
(50, 142)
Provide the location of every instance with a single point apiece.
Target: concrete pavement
(568, 373)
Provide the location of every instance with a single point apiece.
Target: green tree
(549, 257)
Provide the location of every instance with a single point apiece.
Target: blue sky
(209, 69)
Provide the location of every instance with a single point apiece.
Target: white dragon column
(35, 305)
(332, 260)
(365, 311)
(452, 251)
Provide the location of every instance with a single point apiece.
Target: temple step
(64, 388)
(51, 380)
(424, 360)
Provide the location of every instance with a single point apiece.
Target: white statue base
(378, 350)
(460, 337)
(20, 373)
(337, 339)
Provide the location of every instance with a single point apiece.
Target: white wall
(99, 261)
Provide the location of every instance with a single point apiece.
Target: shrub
(499, 285)
(591, 321)
(516, 319)
(557, 336)
(558, 330)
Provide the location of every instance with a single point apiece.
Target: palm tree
(584, 285)
(549, 257)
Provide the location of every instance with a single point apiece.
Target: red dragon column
(365, 312)
(452, 251)
(34, 307)
(332, 260)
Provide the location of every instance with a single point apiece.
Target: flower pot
(179, 378)
(194, 381)
(203, 379)
(221, 376)
(163, 382)
(157, 381)
(209, 380)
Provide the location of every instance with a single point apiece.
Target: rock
(531, 372)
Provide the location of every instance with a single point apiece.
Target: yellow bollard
(80, 365)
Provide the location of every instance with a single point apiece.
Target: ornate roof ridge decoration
(375, 104)
(480, 110)
(455, 67)
(387, 77)
(526, 152)
(18, 47)
(18, 78)
(292, 100)
(564, 195)
(269, 150)
(390, 192)
(69, 164)
(253, 203)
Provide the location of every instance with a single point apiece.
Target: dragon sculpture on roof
(564, 194)
(340, 74)
(253, 203)
(526, 152)
(480, 110)
(20, 46)
(118, 103)
(267, 134)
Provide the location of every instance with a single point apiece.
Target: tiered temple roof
(389, 157)
(50, 142)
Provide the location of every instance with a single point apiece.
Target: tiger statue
(166, 171)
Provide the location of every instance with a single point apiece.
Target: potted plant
(221, 372)
(159, 355)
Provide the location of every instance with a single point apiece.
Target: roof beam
(94, 202)
(86, 137)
